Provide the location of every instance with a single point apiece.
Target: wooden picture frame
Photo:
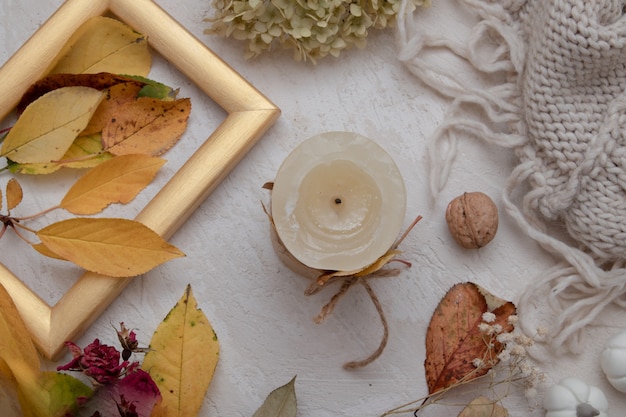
(249, 115)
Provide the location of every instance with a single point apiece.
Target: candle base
(348, 279)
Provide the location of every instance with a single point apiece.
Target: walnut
(472, 219)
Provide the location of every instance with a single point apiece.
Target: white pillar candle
(338, 202)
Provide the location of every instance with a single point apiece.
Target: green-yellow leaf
(483, 407)
(118, 180)
(49, 125)
(103, 44)
(147, 126)
(85, 152)
(113, 247)
(281, 402)
(182, 358)
(48, 394)
(155, 89)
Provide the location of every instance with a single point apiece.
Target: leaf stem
(406, 232)
(17, 226)
(41, 213)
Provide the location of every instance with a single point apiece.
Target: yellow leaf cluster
(85, 115)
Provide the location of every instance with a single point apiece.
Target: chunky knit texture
(562, 106)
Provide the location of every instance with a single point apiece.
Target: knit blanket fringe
(560, 104)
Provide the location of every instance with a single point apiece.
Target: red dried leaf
(454, 341)
(98, 81)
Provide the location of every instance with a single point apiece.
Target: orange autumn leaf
(454, 340)
(14, 194)
(147, 126)
(99, 81)
(116, 96)
(113, 247)
(117, 180)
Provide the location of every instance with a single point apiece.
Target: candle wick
(337, 200)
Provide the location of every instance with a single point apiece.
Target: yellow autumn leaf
(43, 249)
(16, 345)
(103, 44)
(85, 152)
(14, 194)
(117, 180)
(113, 247)
(146, 125)
(49, 125)
(182, 358)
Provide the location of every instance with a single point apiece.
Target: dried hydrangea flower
(313, 28)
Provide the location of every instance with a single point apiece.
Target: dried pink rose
(134, 395)
(97, 361)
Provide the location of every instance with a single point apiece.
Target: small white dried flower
(478, 363)
(504, 356)
(542, 331)
(518, 351)
(523, 340)
(505, 337)
(485, 328)
(512, 319)
(489, 317)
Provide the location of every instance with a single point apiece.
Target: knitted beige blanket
(562, 106)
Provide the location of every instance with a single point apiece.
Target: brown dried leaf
(147, 126)
(117, 180)
(14, 194)
(483, 407)
(454, 341)
(113, 247)
(99, 81)
(116, 96)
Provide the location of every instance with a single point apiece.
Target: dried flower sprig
(121, 387)
(313, 28)
(510, 370)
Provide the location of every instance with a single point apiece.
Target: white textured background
(256, 305)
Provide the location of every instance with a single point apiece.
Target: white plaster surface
(256, 305)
